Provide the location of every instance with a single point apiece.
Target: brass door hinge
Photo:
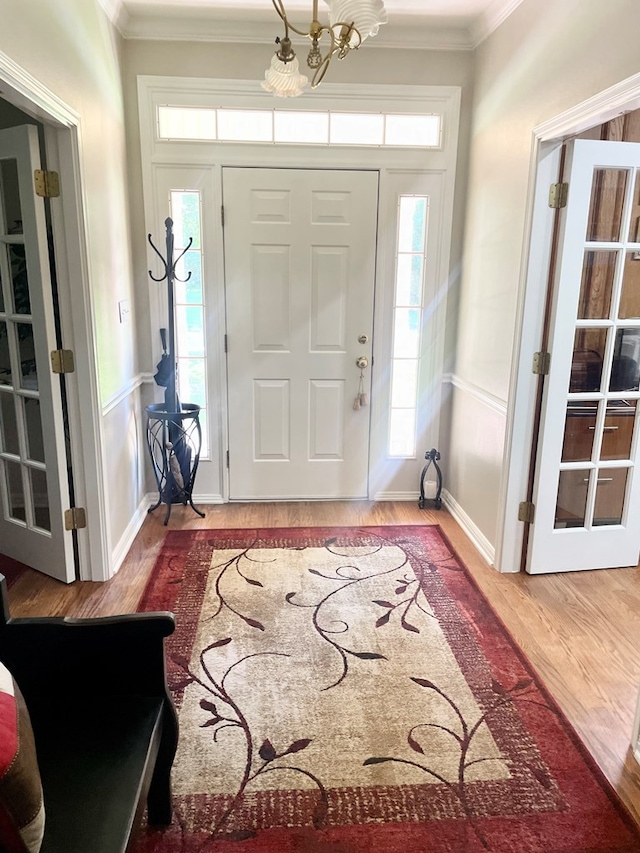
(558, 194)
(47, 184)
(75, 518)
(227, 458)
(541, 363)
(222, 214)
(62, 361)
(526, 512)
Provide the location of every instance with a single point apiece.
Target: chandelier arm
(318, 77)
(278, 5)
(346, 30)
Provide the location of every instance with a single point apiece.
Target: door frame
(63, 147)
(547, 141)
(209, 158)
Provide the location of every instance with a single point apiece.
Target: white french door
(587, 488)
(299, 250)
(34, 488)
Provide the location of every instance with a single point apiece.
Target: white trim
(34, 98)
(477, 537)
(63, 143)
(90, 466)
(125, 542)
(489, 21)
(539, 218)
(396, 496)
(430, 489)
(485, 397)
(616, 100)
(547, 136)
(124, 393)
(205, 499)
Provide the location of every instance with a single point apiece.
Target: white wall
(546, 57)
(70, 48)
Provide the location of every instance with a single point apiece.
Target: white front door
(34, 488)
(587, 489)
(299, 251)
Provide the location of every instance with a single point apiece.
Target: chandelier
(350, 23)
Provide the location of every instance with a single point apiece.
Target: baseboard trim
(477, 537)
(430, 491)
(126, 540)
(207, 499)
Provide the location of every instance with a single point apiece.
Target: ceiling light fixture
(350, 23)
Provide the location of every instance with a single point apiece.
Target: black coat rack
(174, 436)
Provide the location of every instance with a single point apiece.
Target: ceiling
(439, 24)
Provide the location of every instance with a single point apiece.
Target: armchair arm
(61, 655)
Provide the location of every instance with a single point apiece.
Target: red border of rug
(168, 568)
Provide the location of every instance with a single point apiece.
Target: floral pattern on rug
(351, 690)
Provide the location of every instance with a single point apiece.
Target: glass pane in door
(11, 211)
(625, 370)
(588, 360)
(26, 344)
(607, 203)
(15, 490)
(19, 280)
(579, 432)
(571, 506)
(634, 222)
(8, 426)
(40, 498)
(610, 494)
(6, 377)
(35, 443)
(630, 298)
(598, 273)
(618, 429)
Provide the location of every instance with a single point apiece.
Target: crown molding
(168, 23)
(162, 27)
(489, 21)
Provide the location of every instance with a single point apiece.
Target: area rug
(350, 690)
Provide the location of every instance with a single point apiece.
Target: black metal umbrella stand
(174, 435)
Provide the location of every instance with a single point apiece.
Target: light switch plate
(124, 310)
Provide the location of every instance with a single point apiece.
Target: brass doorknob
(362, 362)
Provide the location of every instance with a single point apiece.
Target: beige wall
(71, 48)
(545, 58)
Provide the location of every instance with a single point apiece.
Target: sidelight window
(191, 352)
(413, 213)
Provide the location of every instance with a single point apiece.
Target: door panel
(299, 272)
(587, 491)
(33, 468)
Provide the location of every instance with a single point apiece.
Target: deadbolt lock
(363, 339)
(362, 362)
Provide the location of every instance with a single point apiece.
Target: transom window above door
(300, 127)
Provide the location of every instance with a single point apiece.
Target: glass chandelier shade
(367, 17)
(284, 79)
(350, 23)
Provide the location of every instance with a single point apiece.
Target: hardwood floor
(580, 631)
